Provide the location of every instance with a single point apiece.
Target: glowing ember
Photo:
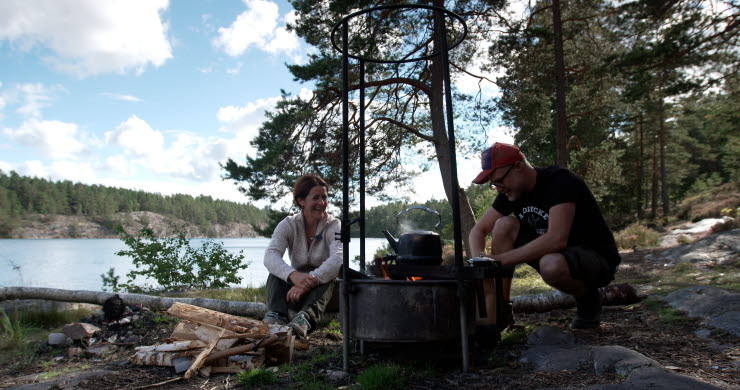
(414, 278)
(383, 269)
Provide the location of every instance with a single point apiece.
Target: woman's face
(314, 204)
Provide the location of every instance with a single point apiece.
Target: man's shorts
(583, 262)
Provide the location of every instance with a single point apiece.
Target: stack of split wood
(209, 342)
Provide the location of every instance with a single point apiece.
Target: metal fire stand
(346, 286)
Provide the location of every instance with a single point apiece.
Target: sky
(150, 94)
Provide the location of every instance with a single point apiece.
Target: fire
(386, 276)
(414, 278)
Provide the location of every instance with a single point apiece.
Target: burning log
(611, 295)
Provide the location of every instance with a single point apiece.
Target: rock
(619, 360)
(716, 248)
(658, 379)
(338, 378)
(101, 349)
(58, 339)
(555, 358)
(74, 351)
(703, 333)
(182, 363)
(548, 335)
(79, 330)
(136, 339)
(717, 306)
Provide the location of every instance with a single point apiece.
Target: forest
(23, 195)
(640, 98)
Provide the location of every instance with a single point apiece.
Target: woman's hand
(303, 280)
(295, 294)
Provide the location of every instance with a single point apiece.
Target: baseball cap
(498, 155)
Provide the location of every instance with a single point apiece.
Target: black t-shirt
(557, 186)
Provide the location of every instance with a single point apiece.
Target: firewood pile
(208, 342)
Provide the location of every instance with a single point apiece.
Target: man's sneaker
(274, 318)
(300, 324)
(588, 313)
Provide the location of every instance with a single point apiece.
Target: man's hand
(295, 294)
(303, 280)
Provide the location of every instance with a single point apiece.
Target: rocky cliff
(72, 226)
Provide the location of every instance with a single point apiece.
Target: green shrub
(257, 377)
(637, 235)
(382, 377)
(175, 265)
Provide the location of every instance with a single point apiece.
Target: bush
(177, 266)
(382, 377)
(637, 235)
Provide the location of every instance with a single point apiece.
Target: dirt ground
(641, 327)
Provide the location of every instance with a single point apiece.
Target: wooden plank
(200, 359)
(172, 347)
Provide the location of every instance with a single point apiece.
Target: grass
(666, 315)
(305, 375)
(22, 332)
(53, 372)
(686, 274)
(636, 235)
(382, 377)
(243, 294)
(334, 327)
(528, 281)
(257, 377)
(516, 334)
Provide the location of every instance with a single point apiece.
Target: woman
(305, 284)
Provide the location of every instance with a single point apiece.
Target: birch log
(612, 295)
(249, 309)
(242, 325)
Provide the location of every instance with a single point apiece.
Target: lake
(77, 264)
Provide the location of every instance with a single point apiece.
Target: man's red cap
(498, 155)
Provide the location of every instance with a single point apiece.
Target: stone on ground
(718, 308)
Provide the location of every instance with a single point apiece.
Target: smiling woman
(304, 285)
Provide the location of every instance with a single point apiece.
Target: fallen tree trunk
(248, 309)
(612, 295)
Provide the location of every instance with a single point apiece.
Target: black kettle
(417, 247)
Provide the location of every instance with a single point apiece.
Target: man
(547, 218)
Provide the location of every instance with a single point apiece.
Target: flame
(414, 278)
(383, 269)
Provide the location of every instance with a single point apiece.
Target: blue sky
(147, 94)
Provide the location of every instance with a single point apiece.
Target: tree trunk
(640, 172)
(561, 134)
(654, 194)
(663, 176)
(441, 143)
(248, 309)
(612, 295)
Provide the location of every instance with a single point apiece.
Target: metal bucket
(405, 311)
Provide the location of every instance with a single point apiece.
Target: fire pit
(405, 311)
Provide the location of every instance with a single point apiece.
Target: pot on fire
(417, 247)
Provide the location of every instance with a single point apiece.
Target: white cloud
(30, 98)
(257, 27)
(119, 96)
(54, 138)
(235, 70)
(136, 137)
(89, 37)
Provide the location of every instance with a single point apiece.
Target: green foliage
(527, 281)
(257, 377)
(12, 331)
(382, 377)
(636, 235)
(304, 375)
(111, 280)
(175, 265)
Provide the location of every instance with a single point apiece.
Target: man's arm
(555, 240)
(481, 230)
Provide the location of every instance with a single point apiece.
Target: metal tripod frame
(346, 285)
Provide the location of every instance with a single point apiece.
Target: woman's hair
(303, 186)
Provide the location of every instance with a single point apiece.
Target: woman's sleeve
(329, 269)
(276, 249)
